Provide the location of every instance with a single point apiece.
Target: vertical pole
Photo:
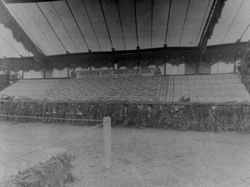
(164, 67)
(235, 66)
(107, 141)
(68, 73)
(44, 73)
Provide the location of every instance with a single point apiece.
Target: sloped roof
(75, 26)
(100, 25)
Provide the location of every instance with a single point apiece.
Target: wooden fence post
(107, 140)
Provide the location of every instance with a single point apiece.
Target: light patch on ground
(142, 157)
(16, 158)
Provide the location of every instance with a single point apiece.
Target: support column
(107, 141)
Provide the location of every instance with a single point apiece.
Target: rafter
(120, 20)
(169, 11)
(51, 27)
(105, 21)
(57, 14)
(26, 29)
(82, 35)
(184, 23)
(87, 12)
(214, 15)
(136, 29)
(152, 16)
(244, 32)
(49, 42)
(28, 1)
(203, 21)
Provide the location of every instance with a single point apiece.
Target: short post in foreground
(107, 141)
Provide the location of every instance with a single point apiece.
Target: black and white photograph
(124, 93)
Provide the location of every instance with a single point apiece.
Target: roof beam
(136, 29)
(227, 53)
(28, 1)
(90, 21)
(105, 21)
(25, 27)
(82, 35)
(169, 11)
(203, 22)
(64, 26)
(38, 27)
(120, 20)
(214, 15)
(151, 26)
(184, 23)
(56, 34)
(244, 32)
(156, 52)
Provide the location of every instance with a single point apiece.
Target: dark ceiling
(78, 26)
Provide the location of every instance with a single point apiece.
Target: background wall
(170, 69)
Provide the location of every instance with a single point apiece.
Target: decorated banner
(114, 73)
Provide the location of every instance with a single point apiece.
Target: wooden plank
(97, 20)
(28, 1)
(128, 22)
(114, 25)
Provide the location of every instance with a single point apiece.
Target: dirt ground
(141, 157)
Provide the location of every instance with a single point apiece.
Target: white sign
(116, 73)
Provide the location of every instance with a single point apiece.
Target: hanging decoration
(130, 59)
(9, 22)
(226, 53)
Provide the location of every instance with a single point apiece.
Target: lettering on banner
(115, 73)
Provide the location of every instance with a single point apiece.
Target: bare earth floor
(140, 157)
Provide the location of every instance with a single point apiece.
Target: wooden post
(44, 74)
(68, 76)
(164, 69)
(164, 65)
(107, 141)
(235, 67)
